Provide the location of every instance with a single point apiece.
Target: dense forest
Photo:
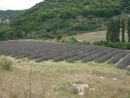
(57, 18)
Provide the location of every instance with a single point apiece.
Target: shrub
(84, 27)
(71, 40)
(5, 63)
(120, 45)
(85, 43)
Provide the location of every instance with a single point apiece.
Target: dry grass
(92, 36)
(50, 80)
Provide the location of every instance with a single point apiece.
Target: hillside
(53, 18)
(7, 16)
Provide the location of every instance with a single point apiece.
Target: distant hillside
(7, 16)
(53, 18)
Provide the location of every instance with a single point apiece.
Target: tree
(5, 32)
(123, 28)
(112, 30)
(108, 34)
(128, 29)
(117, 30)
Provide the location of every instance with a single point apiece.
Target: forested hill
(66, 17)
(7, 16)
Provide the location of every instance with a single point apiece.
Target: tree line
(117, 28)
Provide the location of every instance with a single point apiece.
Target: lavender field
(43, 51)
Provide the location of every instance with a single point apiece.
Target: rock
(115, 79)
(101, 77)
(53, 86)
(81, 88)
(92, 89)
(81, 93)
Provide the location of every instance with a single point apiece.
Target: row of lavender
(41, 51)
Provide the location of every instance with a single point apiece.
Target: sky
(17, 4)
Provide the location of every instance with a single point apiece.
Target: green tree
(5, 32)
(123, 29)
(128, 29)
(108, 33)
(113, 30)
(117, 30)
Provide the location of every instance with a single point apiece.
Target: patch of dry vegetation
(56, 80)
(91, 36)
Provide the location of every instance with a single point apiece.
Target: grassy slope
(50, 80)
(91, 36)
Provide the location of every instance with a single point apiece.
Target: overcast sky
(17, 4)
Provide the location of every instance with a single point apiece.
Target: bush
(5, 32)
(86, 27)
(71, 40)
(5, 63)
(127, 10)
(120, 45)
(86, 43)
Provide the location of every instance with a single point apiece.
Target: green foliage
(123, 28)
(113, 30)
(52, 18)
(86, 43)
(128, 29)
(6, 32)
(9, 14)
(71, 40)
(116, 29)
(127, 10)
(121, 45)
(85, 27)
(59, 37)
(5, 63)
